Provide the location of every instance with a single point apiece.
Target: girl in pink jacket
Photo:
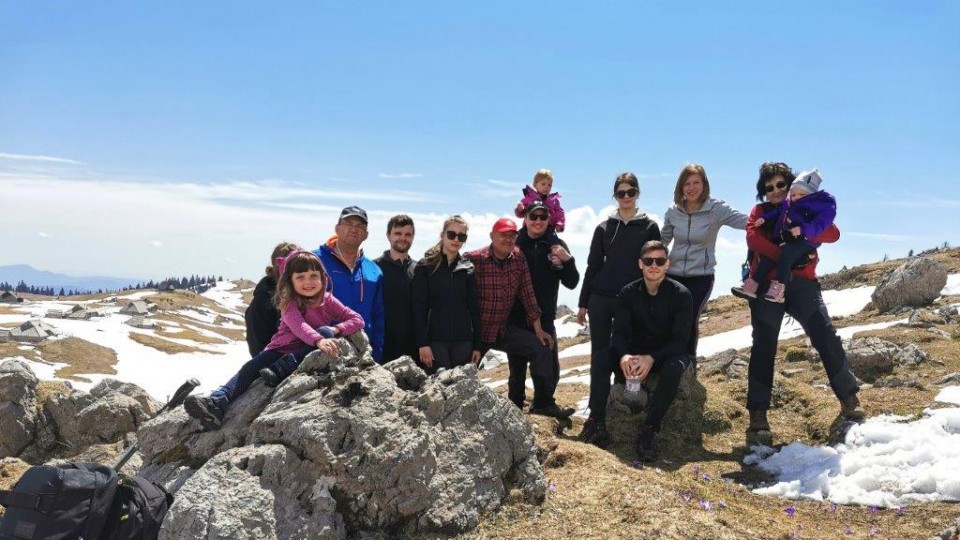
(310, 318)
(556, 218)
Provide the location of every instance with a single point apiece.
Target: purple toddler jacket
(813, 213)
(297, 328)
(551, 201)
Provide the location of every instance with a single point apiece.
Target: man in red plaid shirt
(503, 277)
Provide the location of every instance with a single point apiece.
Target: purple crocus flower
(900, 510)
(790, 510)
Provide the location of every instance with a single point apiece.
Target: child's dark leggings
(791, 254)
(239, 383)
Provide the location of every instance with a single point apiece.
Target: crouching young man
(651, 329)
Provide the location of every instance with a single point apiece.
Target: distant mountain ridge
(15, 273)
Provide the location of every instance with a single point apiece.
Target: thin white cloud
(502, 183)
(39, 158)
(880, 236)
(400, 175)
(156, 243)
(230, 260)
(43, 235)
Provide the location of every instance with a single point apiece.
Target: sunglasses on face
(537, 217)
(452, 235)
(624, 193)
(778, 185)
(650, 261)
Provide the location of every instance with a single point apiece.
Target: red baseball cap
(504, 225)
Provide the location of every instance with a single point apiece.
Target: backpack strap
(28, 501)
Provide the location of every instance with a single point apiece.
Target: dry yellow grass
(165, 345)
(190, 334)
(81, 357)
(231, 334)
(174, 300)
(12, 349)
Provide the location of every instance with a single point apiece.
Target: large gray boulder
(344, 446)
(18, 413)
(105, 414)
(871, 357)
(915, 283)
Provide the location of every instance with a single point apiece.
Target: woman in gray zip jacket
(693, 223)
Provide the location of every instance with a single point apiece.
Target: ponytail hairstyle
(434, 256)
(296, 261)
(282, 250)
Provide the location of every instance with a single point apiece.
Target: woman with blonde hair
(446, 312)
(692, 223)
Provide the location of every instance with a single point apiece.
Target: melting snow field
(886, 461)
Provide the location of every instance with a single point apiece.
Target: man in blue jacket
(356, 280)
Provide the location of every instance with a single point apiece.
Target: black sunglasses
(624, 193)
(538, 216)
(779, 185)
(649, 261)
(451, 235)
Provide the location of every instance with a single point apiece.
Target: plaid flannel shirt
(499, 284)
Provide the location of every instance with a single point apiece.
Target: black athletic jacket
(261, 316)
(398, 337)
(445, 305)
(655, 325)
(546, 280)
(614, 255)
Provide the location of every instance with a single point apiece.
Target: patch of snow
(202, 316)
(953, 285)
(886, 461)
(226, 294)
(950, 394)
(567, 327)
(138, 295)
(579, 349)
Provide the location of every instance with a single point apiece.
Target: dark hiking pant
(602, 364)
(803, 302)
(700, 287)
(523, 348)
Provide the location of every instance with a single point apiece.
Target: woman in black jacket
(612, 263)
(261, 317)
(446, 313)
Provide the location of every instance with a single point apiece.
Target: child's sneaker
(208, 410)
(747, 290)
(278, 371)
(774, 292)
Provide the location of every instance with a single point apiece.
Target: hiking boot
(851, 410)
(553, 410)
(774, 292)
(758, 421)
(645, 446)
(747, 290)
(595, 432)
(278, 371)
(208, 410)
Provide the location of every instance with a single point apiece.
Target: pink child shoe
(747, 290)
(775, 292)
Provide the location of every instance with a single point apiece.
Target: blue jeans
(239, 383)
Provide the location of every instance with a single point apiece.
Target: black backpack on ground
(59, 503)
(138, 510)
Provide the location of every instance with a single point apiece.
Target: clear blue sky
(252, 122)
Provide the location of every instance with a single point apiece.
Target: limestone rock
(18, 414)
(104, 415)
(910, 355)
(924, 318)
(870, 357)
(729, 363)
(915, 283)
(345, 446)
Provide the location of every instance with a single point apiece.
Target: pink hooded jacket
(551, 201)
(297, 328)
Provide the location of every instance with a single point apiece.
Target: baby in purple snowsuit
(807, 212)
(542, 184)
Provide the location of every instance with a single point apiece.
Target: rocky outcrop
(870, 358)
(915, 283)
(67, 420)
(18, 411)
(950, 533)
(728, 363)
(344, 446)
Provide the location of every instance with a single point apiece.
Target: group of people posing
(643, 291)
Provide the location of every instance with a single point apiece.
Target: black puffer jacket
(546, 280)
(445, 306)
(261, 316)
(614, 253)
(398, 324)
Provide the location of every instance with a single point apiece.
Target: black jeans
(545, 380)
(522, 347)
(602, 364)
(700, 287)
(791, 254)
(804, 302)
(450, 354)
(249, 372)
(670, 371)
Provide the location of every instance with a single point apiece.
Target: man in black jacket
(397, 267)
(546, 279)
(651, 324)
